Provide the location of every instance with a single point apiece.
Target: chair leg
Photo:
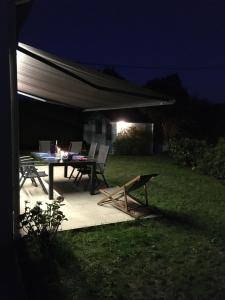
(75, 179)
(22, 183)
(146, 195)
(21, 177)
(88, 182)
(40, 181)
(79, 178)
(34, 182)
(71, 174)
(97, 181)
(42, 184)
(125, 200)
(105, 180)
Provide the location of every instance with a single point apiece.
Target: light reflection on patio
(80, 207)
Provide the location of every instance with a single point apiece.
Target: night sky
(141, 40)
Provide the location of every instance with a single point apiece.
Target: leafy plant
(43, 223)
(186, 151)
(213, 160)
(132, 141)
(210, 159)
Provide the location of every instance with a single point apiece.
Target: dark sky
(163, 36)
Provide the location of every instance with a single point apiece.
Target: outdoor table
(53, 161)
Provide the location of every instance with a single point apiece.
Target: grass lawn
(180, 255)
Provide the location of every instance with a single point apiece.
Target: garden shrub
(42, 223)
(132, 141)
(186, 151)
(210, 159)
(213, 160)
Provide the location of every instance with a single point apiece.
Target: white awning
(46, 77)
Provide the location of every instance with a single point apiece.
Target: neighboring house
(103, 128)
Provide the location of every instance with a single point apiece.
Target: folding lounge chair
(29, 171)
(123, 200)
(91, 155)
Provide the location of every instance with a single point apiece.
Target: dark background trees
(189, 116)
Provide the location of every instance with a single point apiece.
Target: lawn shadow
(47, 275)
(190, 222)
(176, 218)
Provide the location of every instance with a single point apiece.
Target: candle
(61, 154)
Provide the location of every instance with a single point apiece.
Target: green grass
(180, 255)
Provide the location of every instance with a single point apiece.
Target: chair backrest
(102, 156)
(45, 146)
(75, 146)
(92, 150)
(25, 161)
(138, 182)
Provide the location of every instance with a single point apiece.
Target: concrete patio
(80, 207)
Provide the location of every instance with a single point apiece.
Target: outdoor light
(121, 126)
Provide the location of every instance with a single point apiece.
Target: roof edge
(157, 103)
(64, 70)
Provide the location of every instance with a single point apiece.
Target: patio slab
(81, 208)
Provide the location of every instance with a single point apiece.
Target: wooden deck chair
(123, 200)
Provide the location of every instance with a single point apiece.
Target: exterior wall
(144, 126)
(90, 134)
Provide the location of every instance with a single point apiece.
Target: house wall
(90, 135)
(149, 127)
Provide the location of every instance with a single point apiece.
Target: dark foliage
(112, 72)
(132, 141)
(213, 161)
(170, 85)
(187, 152)
(210, 159)
(189, 116)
